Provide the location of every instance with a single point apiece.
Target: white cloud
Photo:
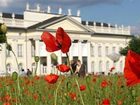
(5, 3)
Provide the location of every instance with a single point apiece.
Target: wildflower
(51, 78)
(61, 42)
(7, 97)
(72, 95)
(82, 87)
(104, 84)
(36, 77)
(35, 96)
(106, 102)
(131, 69)
(94, 79)
(63, 68)
(6, 103)
(119, 102)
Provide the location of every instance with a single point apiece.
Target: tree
(134, 45)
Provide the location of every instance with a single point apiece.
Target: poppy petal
(63, 39)
(50, 42)
(132, 68)
(63, 68)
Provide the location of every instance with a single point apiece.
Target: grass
(36, 91)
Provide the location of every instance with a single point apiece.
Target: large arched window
(106, 50)
(99, 51)
(33, 66)
(92, 50)
(20, 66)
(92, 66)
(8, 67)
(100, 66)
(113, 49)
(107, 66)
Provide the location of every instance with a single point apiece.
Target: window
(106, 50)
(113, 49)
(8, 67)
(64, 60)
(107, 66)
(20, 66)
(92, 66)
(99, 51)
(8, 53)
(92, 50)
(100, 66)
(19, 50)
(32, 51)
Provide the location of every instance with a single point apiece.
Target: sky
(119, 12)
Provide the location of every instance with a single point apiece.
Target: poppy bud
(36, 58)
(3, 28)
(54, 59)
(3, 38)
(14, 75)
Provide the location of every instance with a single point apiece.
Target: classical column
(88, 57)
(49, 63)
(79, 51)
(28, 55)
(3, 57)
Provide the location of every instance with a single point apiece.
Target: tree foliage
(134, 45)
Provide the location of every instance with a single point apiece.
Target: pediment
(67, 23)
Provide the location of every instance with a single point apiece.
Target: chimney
(69, 11)
(78, 12)
(60, 11)
(49, 9)
(27, 6)
(38, 7)
(13, 16)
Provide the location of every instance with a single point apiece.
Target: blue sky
(119, 12)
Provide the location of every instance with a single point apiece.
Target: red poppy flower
(51, 78)
(119, 102)
(132, 68)
(72, 95)
(82, 87)
(7, 97)
(106, 102)
(104, 84)
(35, 96)
(63, 68)
(61, 42)
(36, 77)
(6, 103)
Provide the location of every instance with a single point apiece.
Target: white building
(92, 41)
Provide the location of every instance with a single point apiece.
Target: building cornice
(111, 35)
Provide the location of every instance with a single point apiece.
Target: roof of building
(9, 15)
(91, 23)
(45, 22)
(54, 20)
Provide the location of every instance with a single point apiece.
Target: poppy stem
(55, 101)
(68, 60)
(75, 79)
(79, 91)
(18, 85)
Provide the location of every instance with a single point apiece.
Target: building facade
(92, 42)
